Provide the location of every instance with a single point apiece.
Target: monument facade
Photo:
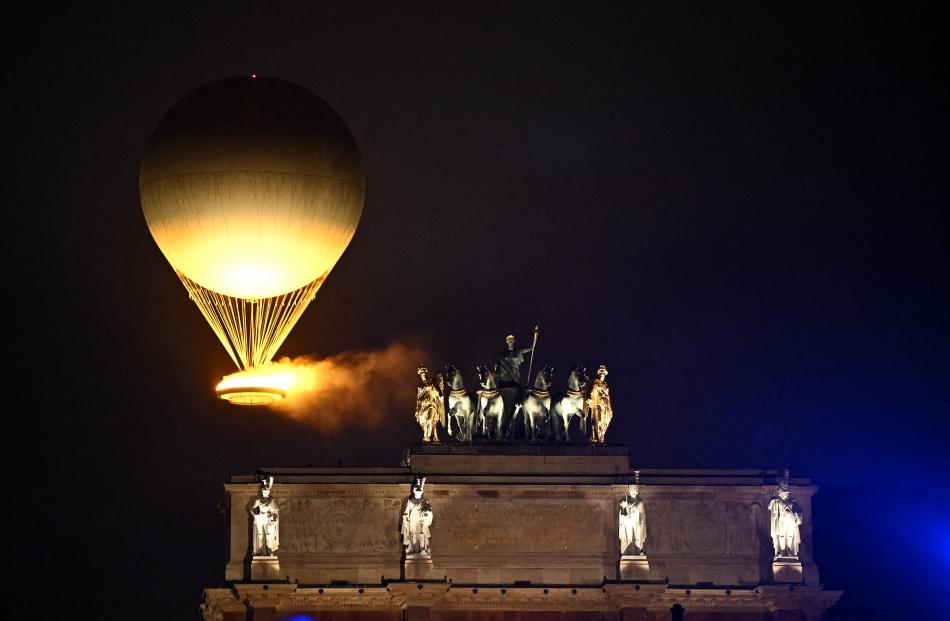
(526, 513)
(520, 532)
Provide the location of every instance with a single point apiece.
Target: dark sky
(742, 211)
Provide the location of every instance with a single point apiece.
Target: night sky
(741, 211)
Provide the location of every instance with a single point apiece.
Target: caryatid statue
(598, 407)
(633, 521)
(430, 405)
(508, 370)
(265, 515)
(416, 520)
(786, 518)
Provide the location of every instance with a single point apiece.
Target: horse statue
(570, 403)
(461, 406)
(491, 408)
(537, 407)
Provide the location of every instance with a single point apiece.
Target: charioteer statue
(508, 369)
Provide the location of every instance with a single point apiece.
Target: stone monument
(522, 531)
(525, 529)
(520, 528)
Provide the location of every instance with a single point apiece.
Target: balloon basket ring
(251, 395)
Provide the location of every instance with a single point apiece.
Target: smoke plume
(356, 388)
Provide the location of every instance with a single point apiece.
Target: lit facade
(518, 532)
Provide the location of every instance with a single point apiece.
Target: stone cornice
(446, 596)
(554, 487)
(339, 598)
(219, 601)
(758, 599)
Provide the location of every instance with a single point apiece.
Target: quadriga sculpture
(461, 410)
(491, 406)
(570, 404)
(537, 407)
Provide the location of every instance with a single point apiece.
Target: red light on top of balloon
(253, 76)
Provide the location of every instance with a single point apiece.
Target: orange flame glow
(352, 388)
(258, 385)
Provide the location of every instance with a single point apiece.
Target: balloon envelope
(252, 187)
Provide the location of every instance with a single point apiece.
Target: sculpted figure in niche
(633, 522)
(786, 519)
(598, 407)
(265, 515)
(430, 406)
(416, 520)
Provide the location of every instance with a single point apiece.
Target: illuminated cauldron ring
(250, 395)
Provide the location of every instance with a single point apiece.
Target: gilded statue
(786, 519)
(416, 520)
(633, 522)
(430, 405)
(598, 408)
(265, 515)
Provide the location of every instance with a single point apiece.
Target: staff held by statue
(534, 342)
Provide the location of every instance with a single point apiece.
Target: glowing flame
(258, 385)
(354, 388)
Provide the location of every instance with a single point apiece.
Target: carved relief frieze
(704, 527)
(501, 525)
(339, 526)
(506, 490)
(325, 490)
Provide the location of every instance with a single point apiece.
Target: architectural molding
(609, 597)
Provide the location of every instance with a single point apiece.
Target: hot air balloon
(252, 188)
